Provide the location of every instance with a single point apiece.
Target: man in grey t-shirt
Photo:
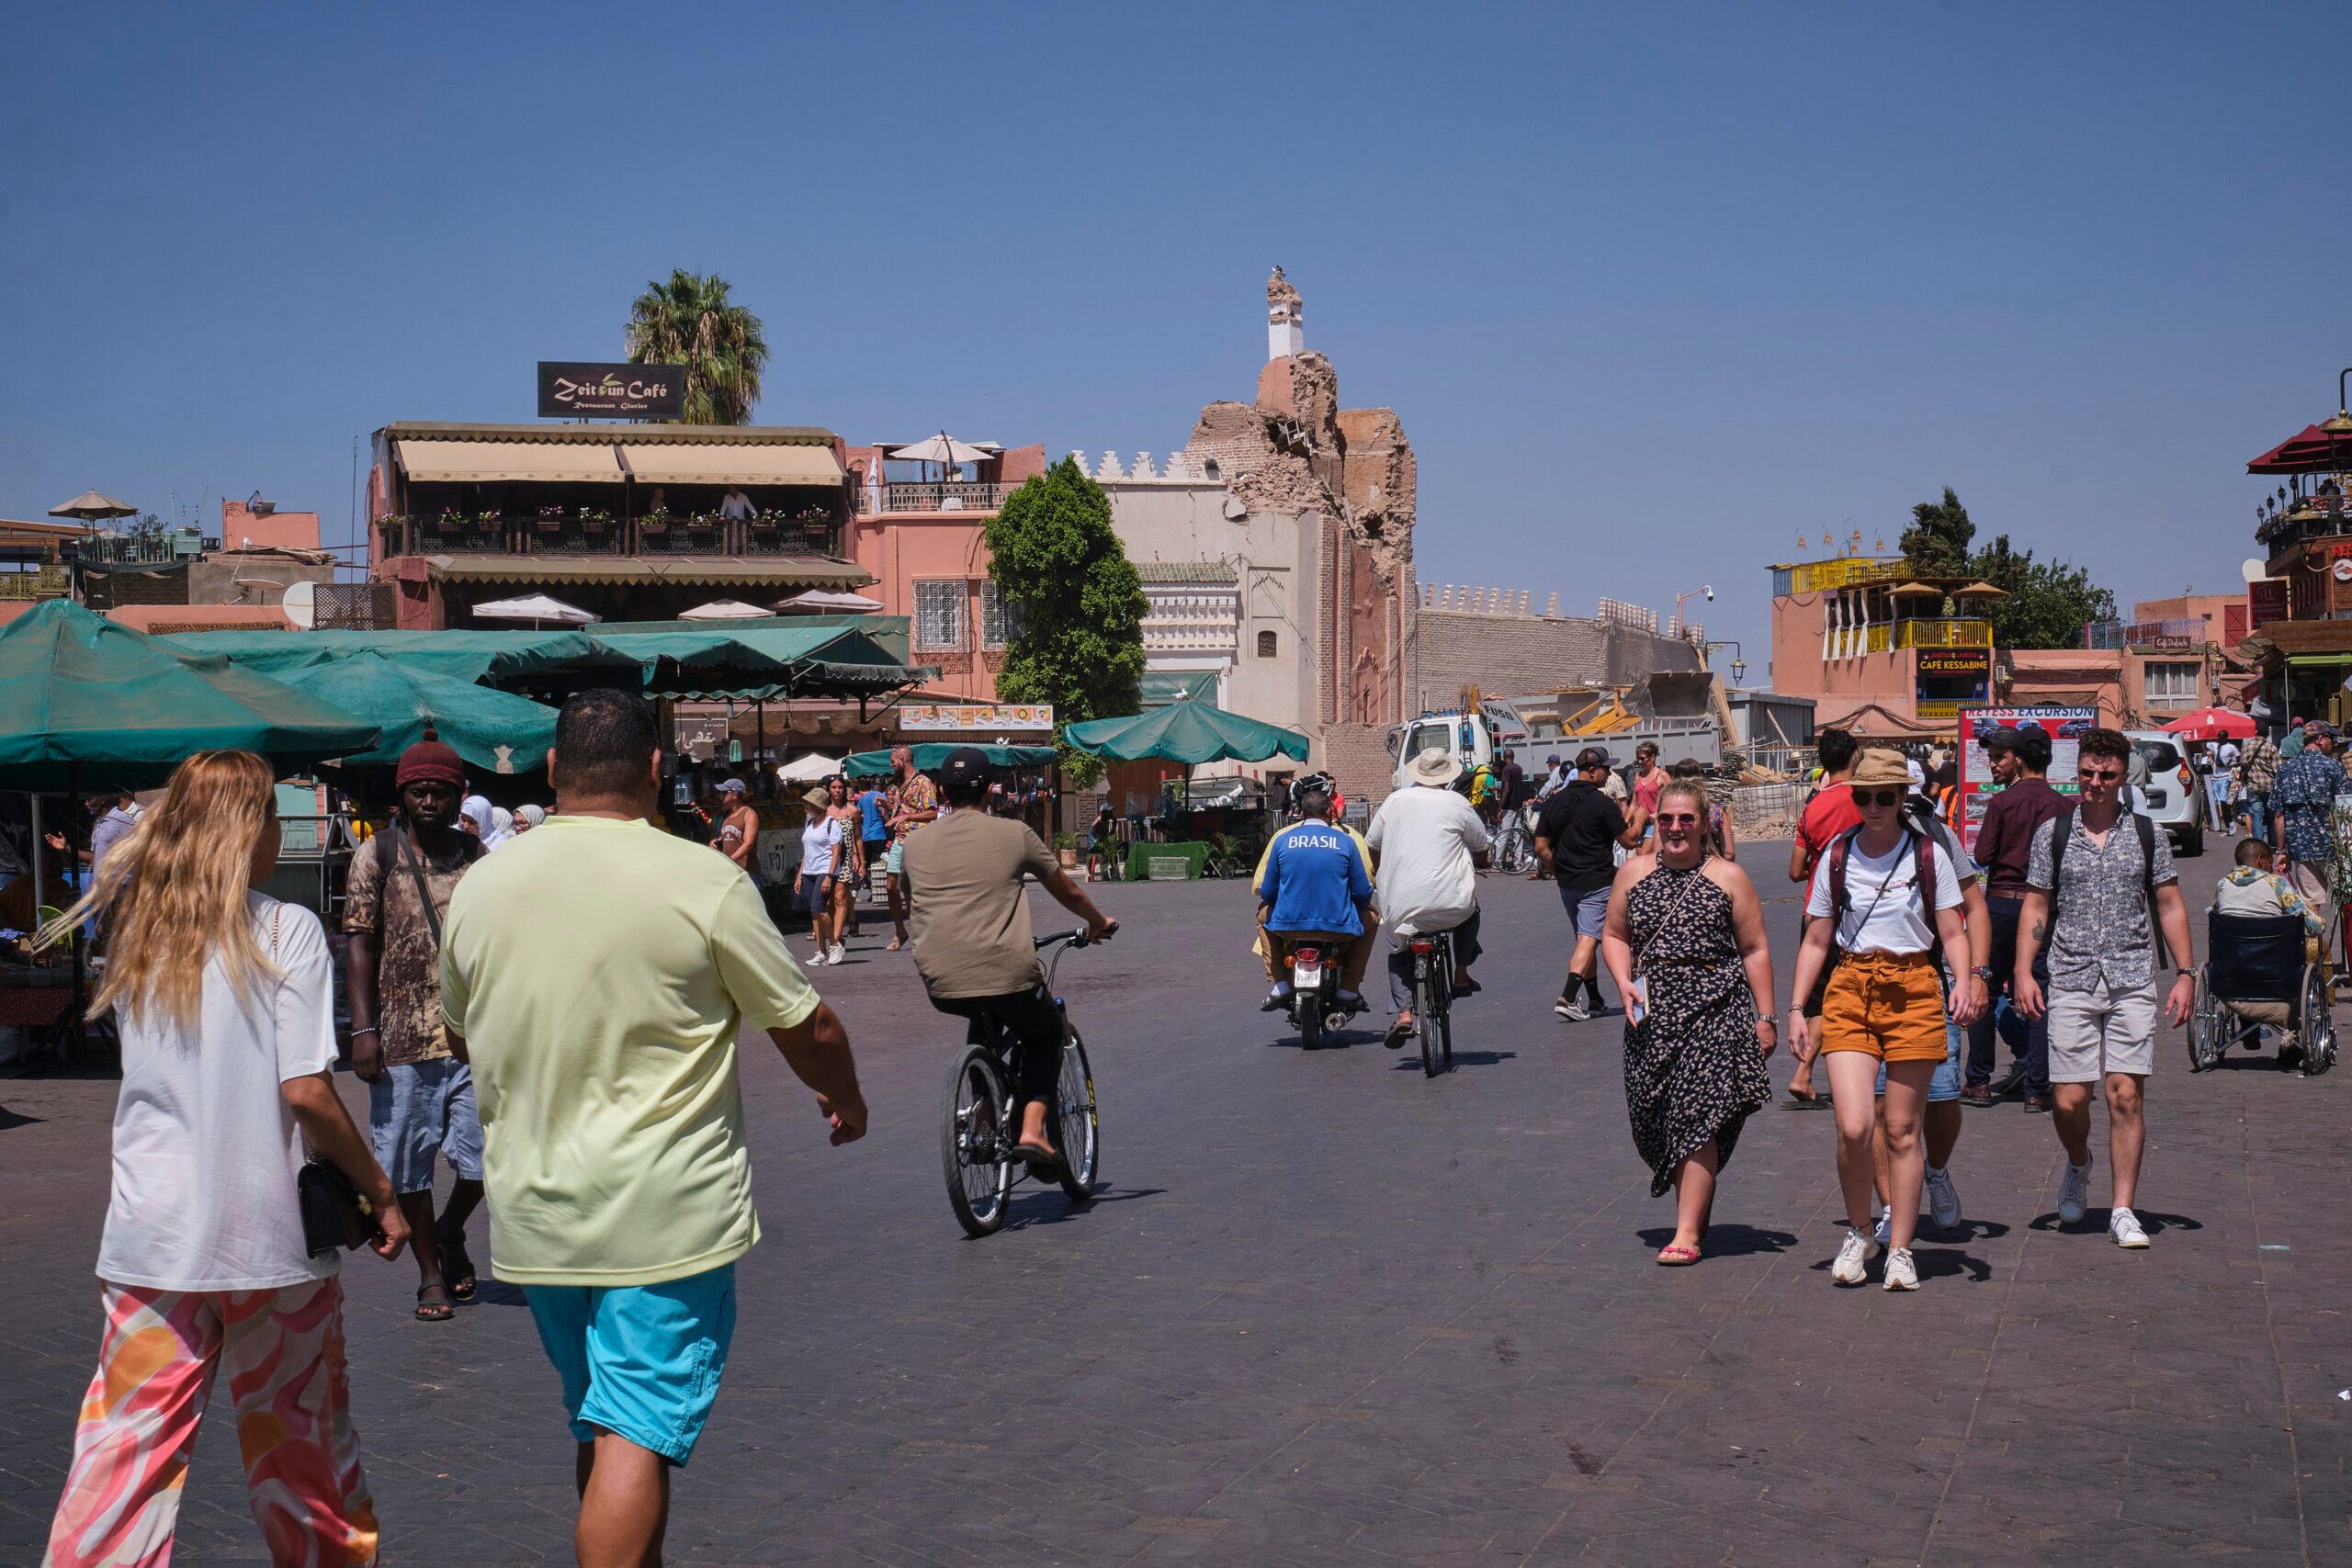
(2115, 885)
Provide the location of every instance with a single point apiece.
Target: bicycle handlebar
(1077, 939)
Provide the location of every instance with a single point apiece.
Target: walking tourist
(2258, 771)
(1686, 947)
(1314, 881)
(738, 827)
(602, 1043)
(420, 1103)
(2227, 754)
(1431, 843)
(1721, 838)
(1576, 837)
(2020, 762)
(918, 803)
(849, 867)
(2302, 800)
(873, 839)
(1829, 813)
(224, 1002)
(975, 947)
(1883, 897)
(1648, 777)
(821, 850)
(2101, 890)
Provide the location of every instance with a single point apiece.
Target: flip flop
(430, 1311)
(1814, 1101)
(895, 945)
(1397, 1034)
(1042, 1161)
(1673, 1256)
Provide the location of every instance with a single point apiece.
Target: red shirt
(1826, 815)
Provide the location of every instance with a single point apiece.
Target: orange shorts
(1888, 1005)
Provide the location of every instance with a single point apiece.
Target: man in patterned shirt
(2096, 897)
(2259, 769)
(917, 803)
(2303, 797)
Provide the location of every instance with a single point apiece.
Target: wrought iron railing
(593, 533)
(46, 582)
(139, 549)
(957, 496)
(2180, 633)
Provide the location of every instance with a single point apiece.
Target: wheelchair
(2261, 971)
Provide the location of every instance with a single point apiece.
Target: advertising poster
(2066, 727)
(1032, 717)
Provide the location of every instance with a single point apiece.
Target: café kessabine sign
(569, 390)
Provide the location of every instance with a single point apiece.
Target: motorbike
(1315, 1006)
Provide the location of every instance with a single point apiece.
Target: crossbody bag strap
(1680, 899)
(424, 893)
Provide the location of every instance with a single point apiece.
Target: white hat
(1434, 767)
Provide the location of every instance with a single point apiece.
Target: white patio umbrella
(535, 608)
(91, 507)
(828, 602)
(724, 610)
(940, 448)
(809, 769)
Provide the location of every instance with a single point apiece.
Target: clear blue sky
(1654, 288)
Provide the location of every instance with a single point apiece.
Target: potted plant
(551, 520)
(1065, 846)
(595, 521)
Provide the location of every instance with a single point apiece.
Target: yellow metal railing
(1814, 576)
(44, 583)
(1945, 634)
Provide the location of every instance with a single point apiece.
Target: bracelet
(364, 1029)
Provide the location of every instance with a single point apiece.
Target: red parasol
(2211, 723)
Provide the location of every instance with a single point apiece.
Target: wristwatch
(1983, 972)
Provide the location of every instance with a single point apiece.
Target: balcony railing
(2181, 634)
(1943, 634)
(600, 534)
(960, 496)
(46, 582)
(139, 549)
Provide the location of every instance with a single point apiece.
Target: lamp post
(1738, 661)
(1706, 588)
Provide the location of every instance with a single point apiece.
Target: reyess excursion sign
(632, 391)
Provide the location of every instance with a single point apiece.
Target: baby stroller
(2261, 971)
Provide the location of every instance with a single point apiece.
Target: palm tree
(689, 322)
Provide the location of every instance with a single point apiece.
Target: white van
(2171, 789)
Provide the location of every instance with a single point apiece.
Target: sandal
(1814, 1101)
(1671, 1256)
(432, 1312)
(457, 1266)
(1399, 1031)
(896, 942)
(1040, 1158)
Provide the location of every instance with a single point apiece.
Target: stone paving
(1326, 1311)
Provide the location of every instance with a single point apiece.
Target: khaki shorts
(1888, 1005)
(2093, 1032)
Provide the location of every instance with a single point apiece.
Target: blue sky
(1653, 287)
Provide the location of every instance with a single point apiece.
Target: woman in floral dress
(1687, 925)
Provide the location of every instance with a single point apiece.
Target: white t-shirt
(819, 841)
(1881, 914)
(1425, 838)
(206, 1150)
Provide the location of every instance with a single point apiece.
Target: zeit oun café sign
(631, 391)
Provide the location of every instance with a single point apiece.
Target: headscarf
(530, 815)
(487, 828)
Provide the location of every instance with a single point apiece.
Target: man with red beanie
(419, 1098)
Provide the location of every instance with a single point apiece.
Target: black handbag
(335, 1218)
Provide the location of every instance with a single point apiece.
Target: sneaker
(1853, 1258)
(1277, 998)
(2073, 1192)
(816, 958)
(1572, 1010)
(1900, 1273)
(2124, 1226)
(1883, 1229)
(833, 953)
(1943, 1200)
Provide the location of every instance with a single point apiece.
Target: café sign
(569, 390)
(1033, 717)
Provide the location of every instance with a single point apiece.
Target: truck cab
(1469, 736)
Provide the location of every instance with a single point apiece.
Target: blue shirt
(1314, 879)
(2303, 795)
(869, 811)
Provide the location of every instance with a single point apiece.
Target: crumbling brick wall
(1512, 655)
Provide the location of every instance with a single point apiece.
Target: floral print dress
(1693, 1069)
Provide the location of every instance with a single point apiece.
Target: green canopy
(783, 657)
(493, 730)
(932, 753)
(500, 656)
(1186, 732)
(83, 701)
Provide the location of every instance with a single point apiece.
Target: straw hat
(1881, 766)
(817, 799)
(1434, 767)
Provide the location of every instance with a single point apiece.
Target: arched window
(1265, 645)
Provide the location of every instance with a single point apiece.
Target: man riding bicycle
(1313, 884)
(1428, 843)
(973, 943)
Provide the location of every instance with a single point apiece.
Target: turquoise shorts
(639, 1361)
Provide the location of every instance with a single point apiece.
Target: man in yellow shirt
(601, 1030)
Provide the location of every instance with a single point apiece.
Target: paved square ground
(1326, 1311)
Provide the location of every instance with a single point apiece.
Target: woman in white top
(821, 848)
(224, 1002)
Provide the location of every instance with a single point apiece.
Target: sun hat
(1434, 767)
(1881, 766)
(817, 799)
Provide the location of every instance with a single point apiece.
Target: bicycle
(983, 1120)
(1514, 847)
(1433, 999)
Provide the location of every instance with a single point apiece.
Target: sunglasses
(1678, 819)
(1878, 796)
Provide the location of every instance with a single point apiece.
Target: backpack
(2063, 828)
(1923, 848)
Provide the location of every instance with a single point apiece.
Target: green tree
(1074, 605)
(690, 321)
(2049, 603)
(1936, 544)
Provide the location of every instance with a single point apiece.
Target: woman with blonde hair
(225, 1006)
(1684, 939)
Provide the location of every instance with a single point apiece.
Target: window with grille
(1265, 645)
(2175, 683)
(996, 629)
(939, 614)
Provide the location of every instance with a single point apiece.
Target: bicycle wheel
(1076, 1124)
(972, 1143)
(1426, 1023)
(1445, 1019)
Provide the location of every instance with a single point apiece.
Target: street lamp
(1738, 663)
(1706, 588)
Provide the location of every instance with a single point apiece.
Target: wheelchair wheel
(2209, 1026)
(2315, 1023)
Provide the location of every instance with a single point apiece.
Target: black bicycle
(1433, 999)
(983, 1121)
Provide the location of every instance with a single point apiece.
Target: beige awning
(730, 462)
(480, 461)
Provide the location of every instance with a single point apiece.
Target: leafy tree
(1074, 604)
(1936, 544)
(2049, 603)
(690, 321)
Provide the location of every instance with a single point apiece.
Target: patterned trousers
(283, 1352)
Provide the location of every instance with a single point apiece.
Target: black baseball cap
(966, 763)
(2005, 739)
(1594, 757)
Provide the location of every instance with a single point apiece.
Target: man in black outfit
(1576, 838)
(2019, 758)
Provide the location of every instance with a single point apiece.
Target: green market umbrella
(86, 701)
(930, 754)
(1186, 732)
(492, 730)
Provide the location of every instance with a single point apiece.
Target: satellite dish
(2253, 571)
(302, 604)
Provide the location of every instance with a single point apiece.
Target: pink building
(923, 540)
(1882, 653)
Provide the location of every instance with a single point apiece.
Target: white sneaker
(1900, 1274)
(833, 953)
(1883, 1229)
(2124, 1226)
(2074, 1191)
(1574, 1011)
(1943, 1200)
(1853, 1258)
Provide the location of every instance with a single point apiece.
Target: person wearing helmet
(1315, 884)
(1312, 783)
